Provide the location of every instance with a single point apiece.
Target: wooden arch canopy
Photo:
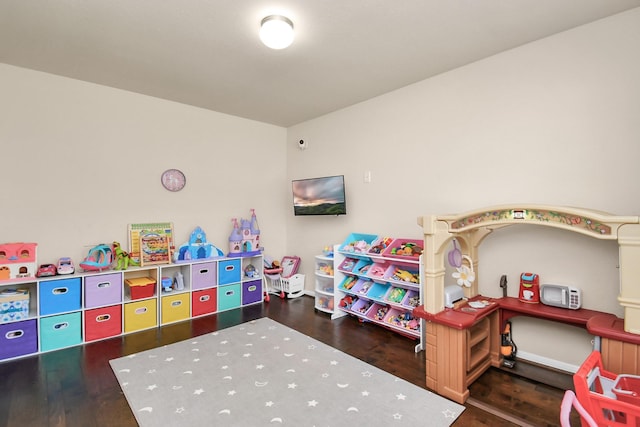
(470, 228)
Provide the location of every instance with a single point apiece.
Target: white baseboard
(552, 363)
(531, 357)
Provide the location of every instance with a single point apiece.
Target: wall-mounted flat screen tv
(319, 196)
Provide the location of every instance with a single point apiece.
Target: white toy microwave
(563, 296)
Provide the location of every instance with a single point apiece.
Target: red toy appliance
(529, 288)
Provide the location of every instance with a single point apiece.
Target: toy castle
(245, 237)
(197, 248)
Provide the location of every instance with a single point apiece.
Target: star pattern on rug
(171, 389)
(448, 413)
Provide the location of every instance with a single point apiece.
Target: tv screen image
(319, 196)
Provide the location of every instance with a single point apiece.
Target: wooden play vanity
(463, 342)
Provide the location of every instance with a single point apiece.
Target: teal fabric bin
(229, 296)
(64, 330)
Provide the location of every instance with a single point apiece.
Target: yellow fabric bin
(140, 315)
(175, 308)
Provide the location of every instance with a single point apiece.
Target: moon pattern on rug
(287, 379)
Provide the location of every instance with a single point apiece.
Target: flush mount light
(276, 31)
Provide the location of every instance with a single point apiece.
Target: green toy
(123, 258)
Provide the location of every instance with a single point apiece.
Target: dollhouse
(17, 260)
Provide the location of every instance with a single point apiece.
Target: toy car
(65, 266)
(46, 270)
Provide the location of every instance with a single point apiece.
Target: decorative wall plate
(173, 180)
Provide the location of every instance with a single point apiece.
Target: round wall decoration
(173, 180)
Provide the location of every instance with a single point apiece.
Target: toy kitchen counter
(620, 350)
(463, 315)
(463, 342)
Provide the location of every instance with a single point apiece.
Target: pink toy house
(18, 260)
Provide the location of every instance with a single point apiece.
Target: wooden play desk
(462, 343)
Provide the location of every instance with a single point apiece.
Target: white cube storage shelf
(65, 311)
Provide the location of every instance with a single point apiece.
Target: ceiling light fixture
(276, 31)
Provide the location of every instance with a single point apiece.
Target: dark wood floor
(76, 387)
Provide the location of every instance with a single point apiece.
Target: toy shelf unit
(285, 280)
(378, 282)
(325, 297)
(44, 314)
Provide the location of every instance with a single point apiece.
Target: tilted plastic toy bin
(357, 244)
(407, 249)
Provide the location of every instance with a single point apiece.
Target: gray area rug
(263, 373)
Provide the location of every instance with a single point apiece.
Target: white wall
(551, 122)
(80, 162)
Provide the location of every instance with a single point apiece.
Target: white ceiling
(207, 53)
